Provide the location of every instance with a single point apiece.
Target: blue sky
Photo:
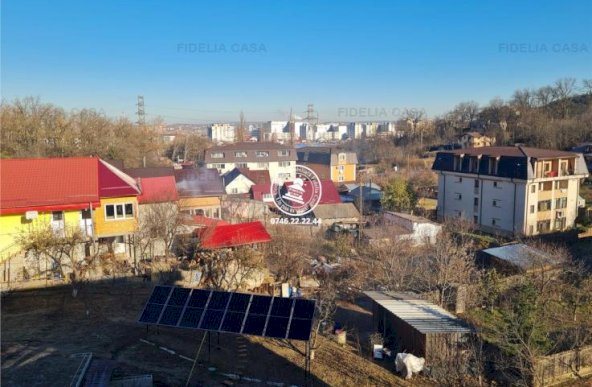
(188, 60)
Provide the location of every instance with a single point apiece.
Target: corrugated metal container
(409, 324)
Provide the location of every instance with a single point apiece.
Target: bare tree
(158, 224)
(64, 249)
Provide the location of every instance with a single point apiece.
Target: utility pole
(141, 113)
(292, 128)
(312, 119)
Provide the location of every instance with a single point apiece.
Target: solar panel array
(248, 314)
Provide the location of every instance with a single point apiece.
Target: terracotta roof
(48, 184)
(258, 190)
(233, 235)
(157, 189)
(257, 177)
(150, 172)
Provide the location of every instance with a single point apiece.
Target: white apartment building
(510, 190)
(221, 133)
(278, 159)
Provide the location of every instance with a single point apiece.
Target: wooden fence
(563, 366)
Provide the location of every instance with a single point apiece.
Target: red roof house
(157, 189)
(233, 235)
(44, 184)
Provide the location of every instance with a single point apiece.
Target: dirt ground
(42, 328)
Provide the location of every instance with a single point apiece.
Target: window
(476, 202)
(262, 154)
(561, 184)
(283, 153)
(477, 183)
(342, 156)
(457, 163)
(242, 165)
(341, 168)
(57, 216)
(284, 163)
(546, 186)
(129, 210)
(119, 211)
(458, 196)
(543, 226)
(533, 188)
(267, 196)
(340, 178)
(474, 164)
(263, 165)
(544, 205)
(285, 176)
(561, 203)
(110, 212)
(493, 166)
(234, 190)
(240, 154)
(217, 155)
(532, 208)
(497, 184)
(85, 214)
(219, 166)
(497, 203)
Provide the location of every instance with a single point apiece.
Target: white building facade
(510, 190)
(221, 133)
(278, 159)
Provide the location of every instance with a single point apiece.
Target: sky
(197, 61)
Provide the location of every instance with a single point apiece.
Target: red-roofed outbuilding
(233, 235)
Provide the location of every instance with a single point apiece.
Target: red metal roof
(113, 183)
(55, 184)
(204, 221)
(45, 184)
(157, 189)
(233, 235)
(258, 190)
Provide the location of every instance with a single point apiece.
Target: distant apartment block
(278, 159)
(475, 140)
(221, 133)
(330, 163)
(510, 190)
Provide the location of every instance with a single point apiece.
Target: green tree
(398, 195)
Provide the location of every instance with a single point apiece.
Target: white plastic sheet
(407, 364)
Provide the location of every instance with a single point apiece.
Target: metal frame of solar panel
(242, 313)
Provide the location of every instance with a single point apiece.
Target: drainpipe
(514, 210)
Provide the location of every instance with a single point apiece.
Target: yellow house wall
(13, 225)
(349, 172)
(199, 202)
(107, 227)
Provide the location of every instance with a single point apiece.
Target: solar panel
(303, 308)
(191, 318)
(240, 313)
(171, 315)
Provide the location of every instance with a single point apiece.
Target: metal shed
(410, 324)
